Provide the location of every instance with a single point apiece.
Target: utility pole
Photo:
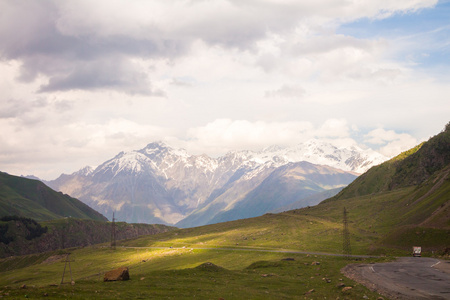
(346, 237)
(113, 233)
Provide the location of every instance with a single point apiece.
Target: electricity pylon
(346, 237)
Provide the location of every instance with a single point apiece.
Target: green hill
(33, 199)
(410, 168)
(406, 200)
(21, 236)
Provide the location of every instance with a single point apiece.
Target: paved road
(406, 278)
(253, 249)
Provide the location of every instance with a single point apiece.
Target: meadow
(181, 273)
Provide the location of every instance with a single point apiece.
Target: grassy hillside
(20, 236)
(33, 199)
(405, 200)
(410, 168)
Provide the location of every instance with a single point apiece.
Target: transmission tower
(113, 233)
(70, 270)
(346, 237)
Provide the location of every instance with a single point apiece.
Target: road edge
(353, 272)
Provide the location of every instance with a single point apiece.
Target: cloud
(390, 142)
(103, 74)
(223, 135)
(48, 150)
(82, 45)
(337, 128)
(286, 91)
(85, 79)
(30, 34)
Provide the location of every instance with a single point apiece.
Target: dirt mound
(264, 264)
(210, 267)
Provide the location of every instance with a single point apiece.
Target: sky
(82, 80)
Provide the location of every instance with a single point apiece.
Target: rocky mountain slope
(33, 199)
(294, 182)
(159, 184)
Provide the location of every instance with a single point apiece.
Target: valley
(294, 254)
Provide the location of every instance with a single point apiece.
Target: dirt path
(406, 278)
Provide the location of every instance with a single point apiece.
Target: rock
(346, 289)
(24, 286)
(340, 285)
(315, 263)
(288, 259)
(310, 291)
(118, 274)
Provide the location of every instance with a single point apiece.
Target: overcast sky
(81, 81)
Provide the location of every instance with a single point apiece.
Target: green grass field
(183, 273)
(166, 266)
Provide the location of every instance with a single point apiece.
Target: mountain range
(161, 184)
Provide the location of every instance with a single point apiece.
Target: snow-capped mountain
(160, 184)
(353, 158)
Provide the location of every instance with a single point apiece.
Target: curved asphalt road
(407, 278)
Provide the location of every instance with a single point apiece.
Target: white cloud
(334, 128)
(87, 79)
(390, 142)
(286, 91)
(223, 135)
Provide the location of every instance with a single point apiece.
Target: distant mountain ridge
(160, 184)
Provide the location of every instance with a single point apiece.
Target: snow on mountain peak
(162, 149)
(177, 163)
(319, 152)
(86, 171)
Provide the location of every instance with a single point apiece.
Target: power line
(113, 233)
